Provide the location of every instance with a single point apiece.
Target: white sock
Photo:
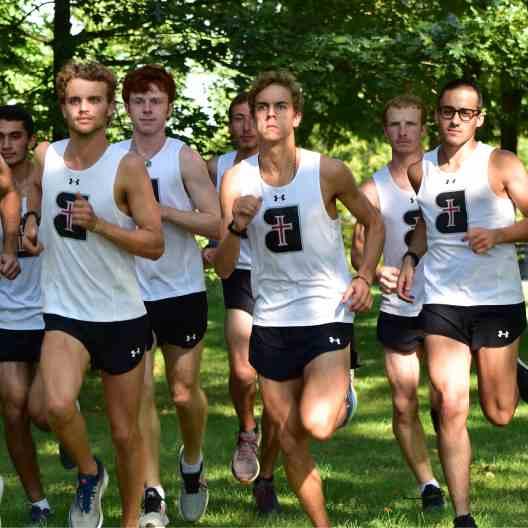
(191, 468)
(434, 482)
(42, 504)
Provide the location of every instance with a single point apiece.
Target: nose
(147, 108)
(5, 143)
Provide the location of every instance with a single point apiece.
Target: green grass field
(365, 478)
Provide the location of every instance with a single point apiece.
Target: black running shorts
(237, 291)
(282, 353)
(476, 326)
(115, 347)
(179, 321)
(20, 345)
(400, 333)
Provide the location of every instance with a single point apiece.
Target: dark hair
(461, 83)
(140, 79)
(281, 77)
(18, 113)
(88, 71)
(406, 101)
(240, 98)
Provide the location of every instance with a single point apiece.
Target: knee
(319, 422)
(243, 375)
(453, 409)
(183, 394)
(405, 408)
(15, 409)
(498, 414)
(60, 410)
(125, 435)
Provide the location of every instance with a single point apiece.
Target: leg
(282, 405)
(242, 376)
(122, 395)
(37, 401)
(63, 363)
(183, 377)
(15, 381)
(497, 379)
(449, 363)
(403, 373)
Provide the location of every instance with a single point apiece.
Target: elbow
(157, 249)
(221, 270)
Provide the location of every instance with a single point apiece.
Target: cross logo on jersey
(63, 222)
(453, 218)
(411, 218)
(285, 234)
(155, 188)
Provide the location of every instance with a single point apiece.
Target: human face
(403, 128)
(86, 108)
(275, 116)
(242, 127)
(14, 142)
(454, 131)
(149, 111)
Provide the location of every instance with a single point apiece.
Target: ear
(297, 119)
(111, 109)
(480, 119)
(169, 110)
(32, 142)
(424, 131)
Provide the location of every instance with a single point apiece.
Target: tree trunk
(509, 121)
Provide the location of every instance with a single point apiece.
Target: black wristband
(232, 229)
(414, 256)
(30, 213)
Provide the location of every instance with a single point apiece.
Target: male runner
(398, 328)
(473, 305)
(98, 210)
(21, 324)
(285, 198)
(239, 303)
(173, 288)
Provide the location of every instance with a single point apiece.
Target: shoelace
(86, 493)
(248, 447)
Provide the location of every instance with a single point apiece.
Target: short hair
(18, 113)
(240, 98)
(281, 77)
(461, 83)
(406, 101)
(88, 71)
(140, 79)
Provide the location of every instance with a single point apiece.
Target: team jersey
(400, 213)
(179, 271)
(451, 203)
(225, 162)
(21, 299)
(85, 276)
(299, 271)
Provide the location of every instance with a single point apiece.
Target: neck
(243, 154)
(147, 146)
(21, 171)
(400, 162)
(456, 154)
(84, 150)
(278, 162)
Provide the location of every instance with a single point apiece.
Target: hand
(244, 210)
(83, 213)
(358, 296)
(481, 240)
(388, 279)
(208, 256)
(405, 280)
(9, 266)
(30, 241)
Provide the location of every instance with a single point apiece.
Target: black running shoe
(464, 521)
(432, 498)
(39, 516)
(522, 379)
(265, 496)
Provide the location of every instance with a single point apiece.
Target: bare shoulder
(504, 160)
(40, 152)
(132, 163)
(333, 168)
(369, 189)
(189, 156)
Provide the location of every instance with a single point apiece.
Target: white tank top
(85, 276)
(451, 203)
(299, 270)
(400, 212)
(225, 162)
(21, 299)
(179, 271)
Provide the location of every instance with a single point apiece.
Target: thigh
(403, 370)
(15, 381)
(182, 365)
(281, 400)
(449, 364)
(325, 382)
(63, 363)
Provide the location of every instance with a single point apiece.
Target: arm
(241, 210)
(135, 197)
(508, 178)
(337, 182)
(212, 167)
(30, 240)
(415, 173)
(418, 246)
(206, 220)
(10, 212)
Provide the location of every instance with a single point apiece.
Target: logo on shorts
(136, 352)
(503, 333)
(334, 340)
(190, 337)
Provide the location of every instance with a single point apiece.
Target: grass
(366, 481)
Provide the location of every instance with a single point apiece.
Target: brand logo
(503, 333)
(334, 340)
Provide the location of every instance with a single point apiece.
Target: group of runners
(102, 268)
